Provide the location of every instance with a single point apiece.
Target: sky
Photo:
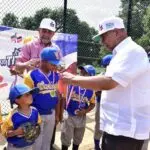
(91, 11)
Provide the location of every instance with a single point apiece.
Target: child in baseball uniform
(46, 101)
(97, 132)
(79, 101)
(12, 127)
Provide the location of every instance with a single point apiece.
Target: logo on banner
(16, 38)
(10, 59)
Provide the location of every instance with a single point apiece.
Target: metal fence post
(65, 16)
(129, 17)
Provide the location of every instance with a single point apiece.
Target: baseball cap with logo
(108, 25)
(48, 23)
(52, 55)
(19, 90)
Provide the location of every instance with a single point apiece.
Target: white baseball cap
(108, 25)
(48, 23)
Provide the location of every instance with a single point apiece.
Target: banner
(11, 41)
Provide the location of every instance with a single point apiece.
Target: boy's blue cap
(89, 69)
(19, 90)
(52, 55)
(106, 60)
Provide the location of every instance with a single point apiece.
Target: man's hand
(67, 77)
(80, 112)
(33, 63)
(29, 65)
(13, 71)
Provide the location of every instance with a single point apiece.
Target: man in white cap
(125, 104)
(29, 56)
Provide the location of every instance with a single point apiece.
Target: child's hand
(10, 133)
(19, 131)
(80, 112)
(16, 132)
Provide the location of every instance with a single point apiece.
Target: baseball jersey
(78, 98)
(46, 99)
(14, 120)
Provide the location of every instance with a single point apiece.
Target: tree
(145, 39)
(138, 11)
(10, 20)
(28, 23)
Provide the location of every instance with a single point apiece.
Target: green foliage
(99, 70)
(140, 23)
(145, 39)
(146, 20)
(28, 23)
(10, 20)
(138, 11)
(103, 52)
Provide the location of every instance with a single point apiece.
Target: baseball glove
(31, 131)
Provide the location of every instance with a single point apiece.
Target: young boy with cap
(46, 101)
(12, 128)
(97, 132)
(79, 101)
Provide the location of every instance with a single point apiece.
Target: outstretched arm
(96, 83)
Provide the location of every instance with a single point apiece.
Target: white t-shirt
(125, 110)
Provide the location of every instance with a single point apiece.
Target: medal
(53, 93)
(68, 98)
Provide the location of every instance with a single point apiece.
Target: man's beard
(46, 41)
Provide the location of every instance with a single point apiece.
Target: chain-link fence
(27, 14)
